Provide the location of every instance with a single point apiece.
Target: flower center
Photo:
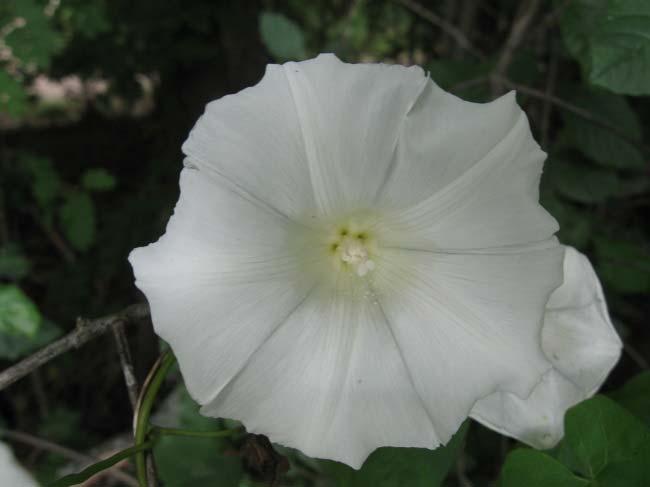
(352, 250)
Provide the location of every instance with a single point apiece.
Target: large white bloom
(356, 257)
(11, 472)
(581, 343)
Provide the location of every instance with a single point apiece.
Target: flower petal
(578, 336)
(538, 420)
(351, 116)
(11, 472)
(583, 347)
(252, 140)
(468, 324)
(479, 198)
(331, 382)
(219, 281)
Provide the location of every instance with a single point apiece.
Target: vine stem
(197, 434)
(143, 410)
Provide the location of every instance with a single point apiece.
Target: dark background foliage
(97, 96)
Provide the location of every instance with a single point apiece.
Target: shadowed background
(96, 98)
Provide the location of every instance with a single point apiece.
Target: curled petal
(468, 324)
(581, 343)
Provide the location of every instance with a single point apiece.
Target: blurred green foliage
(89, 170)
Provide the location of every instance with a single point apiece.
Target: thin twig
(65, 452)
(126, 362)
(460, 38)
(550, 88)
(39, 393)
(636, 356)
(581, 112)
(85, 331)
(55, 238)
(524, 16)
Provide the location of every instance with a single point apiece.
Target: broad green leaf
(36, 41)
(18, 314)
(624, 265)
(77, 215)
(635, 396)
(600, 432)
(98, 179)
(581, 182)
(532, 468)
(397, 467)
(46, 183)
(282, 37)
(193, 461)
(598, 143)
(13, 98)
(575, 224)
(461, 77)
(611, 40)
(13, 347)
(13, 263)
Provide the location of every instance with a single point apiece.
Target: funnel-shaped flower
(579, 340)
(356, 257)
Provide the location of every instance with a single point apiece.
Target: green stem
(85, 474)
(198, 434)
(144, 410)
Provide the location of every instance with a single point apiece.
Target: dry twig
(525, 14)
(85, 331)
(126, 362)
(454, 32)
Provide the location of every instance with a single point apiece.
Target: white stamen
(353, 252)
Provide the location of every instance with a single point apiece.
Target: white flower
(356, 257)
(11, 472)
(581, 343)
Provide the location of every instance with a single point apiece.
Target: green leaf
(98, 179)
(575, 225)
(194, 461)
(611, 40)
(13, 98)
(635, 396)
(598, 143)
(37, 41)
(282, 37)
(600, 432)
(532, 468)
(77, 215)
(581, 182)
(18, 314)
(46, 183)
(397, 467)
(13, 347)
(13, 263)
(624, 265)
(604, 444)
(461, 77)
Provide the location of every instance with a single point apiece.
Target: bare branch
(581, 112)
(526, 12)
(448, 28)
(65, 452)
(85, 331)
(126, 362)
(550, 88)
